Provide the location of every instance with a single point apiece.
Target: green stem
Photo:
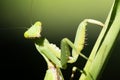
(94, 68)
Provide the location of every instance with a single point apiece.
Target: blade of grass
(97, 44)
(93, 69)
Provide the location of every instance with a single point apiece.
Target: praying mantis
(55, 57)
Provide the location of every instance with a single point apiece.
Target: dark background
(18, 57)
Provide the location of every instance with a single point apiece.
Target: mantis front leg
(78, 43)
(65, 52)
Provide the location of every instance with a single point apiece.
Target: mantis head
(34, 31)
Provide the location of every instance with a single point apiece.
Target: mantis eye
(34, 31)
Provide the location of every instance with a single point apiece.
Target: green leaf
(102, 50)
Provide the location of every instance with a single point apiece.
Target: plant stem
(107, 40)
